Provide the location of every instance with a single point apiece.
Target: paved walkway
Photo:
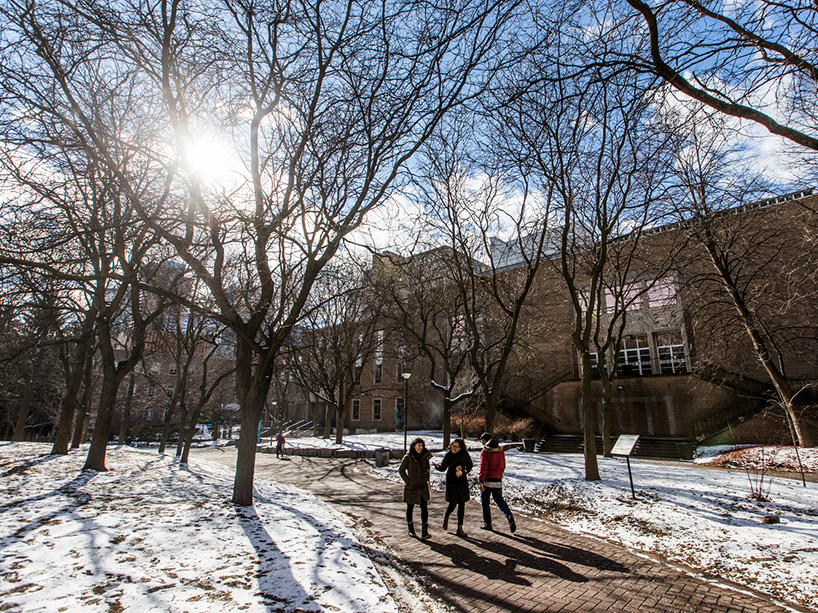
(540, 568)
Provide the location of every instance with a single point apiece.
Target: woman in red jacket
(490, 480)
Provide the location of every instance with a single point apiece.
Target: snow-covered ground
(150, 536)
(699, 517)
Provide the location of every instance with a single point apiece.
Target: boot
(461, 533)
(446, 522)
(411, 526)
(424, 534)
(512, 525)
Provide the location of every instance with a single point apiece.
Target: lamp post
(271, 419)
(405, 375)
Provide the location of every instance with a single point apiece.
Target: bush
(504, 428)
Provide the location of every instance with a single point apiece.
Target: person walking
(280, 440)
(415, 471)
(457, 463)
(490, 481)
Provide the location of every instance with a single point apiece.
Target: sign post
(624, 446)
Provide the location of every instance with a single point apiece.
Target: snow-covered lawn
(151, 536)
(700, 517)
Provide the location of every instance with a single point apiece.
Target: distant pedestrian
(280, 442)
(457, 463)
(415, 471)
(490, 481)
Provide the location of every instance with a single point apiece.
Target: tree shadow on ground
(469, 559)
(20, 468)
(566, 553)
(268, 552)
(521, 557)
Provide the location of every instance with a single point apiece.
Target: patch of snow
(149, 535)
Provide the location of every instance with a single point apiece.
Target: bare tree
(330, 123)
(751, 276)
(425, 306)
(470, 201)
(338, 335)
(732, 58)
(324, 103)
(586, 139)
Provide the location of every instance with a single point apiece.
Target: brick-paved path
(540, 568)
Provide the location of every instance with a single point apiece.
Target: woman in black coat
(457, 464)
(415, 471)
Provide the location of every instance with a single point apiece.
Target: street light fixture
(405, 375)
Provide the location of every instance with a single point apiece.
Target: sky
(151, 536)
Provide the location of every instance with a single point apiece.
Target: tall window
(634, 358)
(378, 373)
(379, 346)
(400, 405)
(149, 414)
(376, 409)
(671, 352)
(663, 293)
(172, 370)
(151, 388)
(356, 410)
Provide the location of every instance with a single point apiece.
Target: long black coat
(457, 488)
(416, 477)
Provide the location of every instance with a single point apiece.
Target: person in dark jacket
(457, 464)
(415, 471)
(280, 442)
(490, 481)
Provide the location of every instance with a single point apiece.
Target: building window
(671, 352)
(172, 370)
(400, 405)
(151, 388)
(379, 346)
(356, 410)
(149, 414)
(376, 409)
(156, 367)
(662, 294)
(164, 413)
(634, 358)
(378, 374)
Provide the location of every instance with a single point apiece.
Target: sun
(213, 159)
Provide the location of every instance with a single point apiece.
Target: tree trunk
(99, 439)
(447, 421)
(82, 414)
(190, 431)
(184, 418)
(607, 443)
(125, 425)
(246, 458)
(340, 416)
(25, 409)
(327, 420)
(252, 386)
(71, 399)
(166, 425)
(69, 408)
(589, 421)
(491, 413)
